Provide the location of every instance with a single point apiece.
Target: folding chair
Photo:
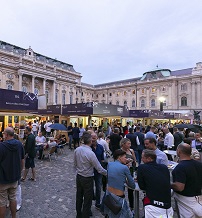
(50, 153)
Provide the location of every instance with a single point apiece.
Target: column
(193, 94)
(147, 98)
(169, 96)
(157, 97)
(53, 92)
(198, 102)
(20, 80)
(176, 88)
(137, 98)
(33, 78)
(44, 86)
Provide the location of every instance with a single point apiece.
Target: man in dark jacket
(11, 164)
(140, 147)
(29, 155)
(75, 135)
(155, 180)
(115, 139)
(178, 137)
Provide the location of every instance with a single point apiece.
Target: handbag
(114, 205)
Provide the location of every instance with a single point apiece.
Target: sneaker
(18, 208)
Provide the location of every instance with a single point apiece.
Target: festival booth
(94, 114)
(77, 113)
(16, 108)
(146, 117)
(108, 113)
(52, 113)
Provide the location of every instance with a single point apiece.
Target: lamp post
(161, 99)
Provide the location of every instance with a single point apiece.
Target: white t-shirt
(34, 127)
(41, 139)
(47, 128)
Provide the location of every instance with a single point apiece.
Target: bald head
(184, 149)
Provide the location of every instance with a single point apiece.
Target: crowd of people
(139, 150)
(138, 159)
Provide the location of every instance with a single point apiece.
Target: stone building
(181, 90)
(25, 70)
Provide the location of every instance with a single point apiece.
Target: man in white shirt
(35, 127)
(40, 143)
(169, 139)
(47, 128)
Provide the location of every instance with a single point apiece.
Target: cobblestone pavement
(53, 195)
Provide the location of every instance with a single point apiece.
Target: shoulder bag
(113, 204)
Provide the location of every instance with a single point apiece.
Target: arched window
(63, 98)
(142, 103)
(183, 101)
(184, 87)
(9, 87)
(133, 92)
(24, 89)
(36, 91)
(133, 103)
(125, 103)
(110, 102)
(56, 97)
(117, 102)
(153, 103)
(70, 99)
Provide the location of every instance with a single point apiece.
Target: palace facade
(27, 71)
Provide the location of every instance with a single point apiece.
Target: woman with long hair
(131, 162)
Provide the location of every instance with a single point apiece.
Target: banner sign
(110, 110)
(139, 113)
(16, 100)
(77, 109)
(51, 109)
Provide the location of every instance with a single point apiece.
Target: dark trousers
(130, 198)
(84, 196)
(140, 156)
(76, 142)
(98, 185)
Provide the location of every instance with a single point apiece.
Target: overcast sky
(107, 40)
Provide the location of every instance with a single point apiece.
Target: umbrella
(192, 127)
(58, 126)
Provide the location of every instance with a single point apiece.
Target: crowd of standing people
(138, 160)
(139, 151)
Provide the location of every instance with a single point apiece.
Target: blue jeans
(138, 158)
(98, 185)
(70, 141)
